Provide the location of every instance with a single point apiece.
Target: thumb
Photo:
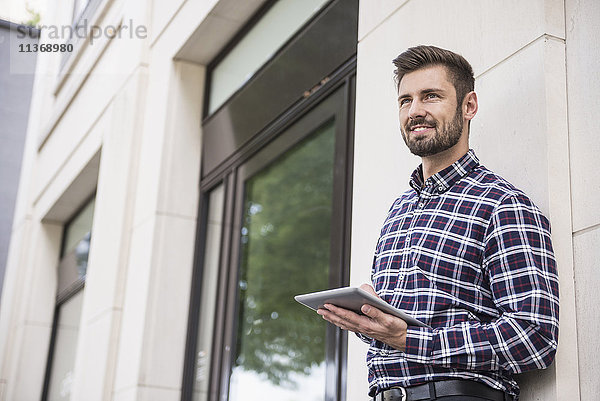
(368, 288)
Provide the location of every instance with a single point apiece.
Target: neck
(436, 163)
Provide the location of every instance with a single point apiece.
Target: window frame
(226, 172)
(62, 297)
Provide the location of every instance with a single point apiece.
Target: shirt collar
(444, 179)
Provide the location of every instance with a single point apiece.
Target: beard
(446, 136)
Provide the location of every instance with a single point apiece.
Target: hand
(376, 324)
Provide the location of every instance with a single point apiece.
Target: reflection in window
(73, 263)
(258, 45)
(81, 24)
(67, 333)
(210, 274)
(78, 9)
(72, 271)
(78, 227)
(82, 251)
(280, 350)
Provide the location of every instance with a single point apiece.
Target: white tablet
(353, 299)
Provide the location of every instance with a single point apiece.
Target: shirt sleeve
(521, 268)
(363, 338)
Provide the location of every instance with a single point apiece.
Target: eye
(404, 101)
(431, 96)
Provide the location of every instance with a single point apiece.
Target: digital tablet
(353, 298)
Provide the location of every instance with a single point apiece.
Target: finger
(384, 320)
(333, 319)
(342, 312)
(343, 318)
(325, 314)
(331, 316)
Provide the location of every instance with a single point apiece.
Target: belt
(443, 388)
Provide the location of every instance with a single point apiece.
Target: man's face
(431, 119)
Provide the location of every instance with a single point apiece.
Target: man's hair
(459, 70)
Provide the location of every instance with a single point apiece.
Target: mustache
(420, 121)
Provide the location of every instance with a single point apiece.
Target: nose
(416, 110)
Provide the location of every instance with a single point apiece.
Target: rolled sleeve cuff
(419, 344)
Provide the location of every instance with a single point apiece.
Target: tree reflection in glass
(280, 346)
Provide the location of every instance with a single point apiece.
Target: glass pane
(76, 247)
(78, 8)
(79, 227)
(209, 292)
(280, 350)
(73, 266)
(63, 361)
(258, 45)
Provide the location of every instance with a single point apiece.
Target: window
(72, 270)
(285, 247)
(276, 228)
(78, 9)
(273, 29)
(274, 222)
(83, 12)
(208, 289)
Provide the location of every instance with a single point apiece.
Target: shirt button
(421, 204)
(383, 352)
(440, 188)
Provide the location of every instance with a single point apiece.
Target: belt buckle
(391, 397)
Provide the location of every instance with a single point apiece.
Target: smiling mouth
(420, 128)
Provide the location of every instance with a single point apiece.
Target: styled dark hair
(459, 70)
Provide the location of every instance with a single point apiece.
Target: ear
(470, 106)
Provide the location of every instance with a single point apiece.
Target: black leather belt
(443, 388)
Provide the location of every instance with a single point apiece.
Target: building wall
(534, 78)
(92, 133)
(584, 145)
(122, 118)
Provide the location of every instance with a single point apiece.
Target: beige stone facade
(122, 118)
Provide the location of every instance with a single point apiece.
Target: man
(463, 251)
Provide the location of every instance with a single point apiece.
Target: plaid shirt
(470, 255)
